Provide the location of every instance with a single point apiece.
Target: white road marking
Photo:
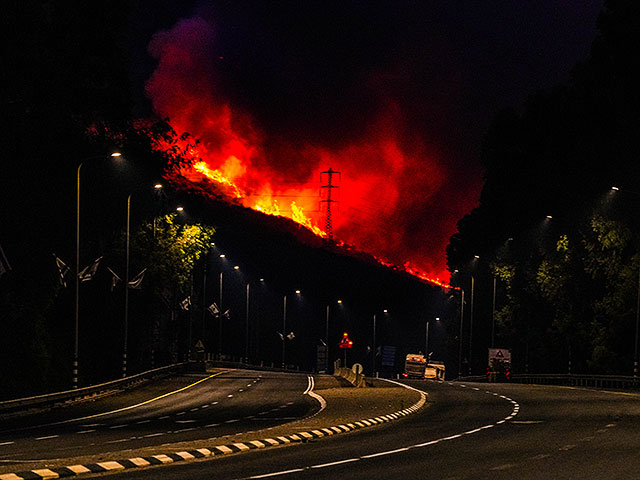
(153, 435)
(141, 422)
(113, 427)
(85, 431)
(185, 421)
(7, 443)
(514, 412)
(47, 438)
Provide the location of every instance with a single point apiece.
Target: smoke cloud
(399, 192)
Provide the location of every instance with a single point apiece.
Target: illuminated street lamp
(77, 272)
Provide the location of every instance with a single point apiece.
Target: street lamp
(126, 293)
(284, 326)
(77, 272)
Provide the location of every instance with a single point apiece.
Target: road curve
(493, 431)
(177, 409)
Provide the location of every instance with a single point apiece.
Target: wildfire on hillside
(391, 199)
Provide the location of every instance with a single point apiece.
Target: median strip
(217, 450)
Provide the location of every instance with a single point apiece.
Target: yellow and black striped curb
(138, 462)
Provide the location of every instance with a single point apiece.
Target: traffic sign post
(345, 344)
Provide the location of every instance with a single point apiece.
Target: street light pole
(461, 332)
(220, 322)
(635, 350)
(493, 314)
(246, 329)
(373, 349)
(126, 292)
(471, 323)
(426, 342)
(284, 326)
(77, 272)
(77, 281)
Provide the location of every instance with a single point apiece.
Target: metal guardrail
(50, 399)
(622, 382)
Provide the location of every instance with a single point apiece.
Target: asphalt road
(177, 409)
(479, 431)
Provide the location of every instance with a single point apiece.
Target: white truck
(417, 366)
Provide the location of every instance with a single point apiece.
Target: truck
(414, 366)
(417, 365)
(434, 370)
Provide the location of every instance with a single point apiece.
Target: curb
(187, 455)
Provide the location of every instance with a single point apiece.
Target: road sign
(345, 342)
(500, 354)
(357, 368)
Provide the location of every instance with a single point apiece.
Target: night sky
(397, 95)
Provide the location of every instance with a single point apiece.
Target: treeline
(557, 225)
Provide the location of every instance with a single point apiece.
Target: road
(467, 431)
(177, 409)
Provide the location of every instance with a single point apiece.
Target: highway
(177, 409)
(468, 431)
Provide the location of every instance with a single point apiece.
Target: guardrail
(622, 382)
(51, 399)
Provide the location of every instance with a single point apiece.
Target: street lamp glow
(157, 186)
(385, 311)
(340, 302)
(476, 256)
(223, 256)
(298, 292)
(116, 154)
(549, 217)
(180, 209)
(615, 188)
(236, 267)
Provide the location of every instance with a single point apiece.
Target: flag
(137, 280)
(213, 309)
(280, 335)
(89, 271)
(4, 263)
(291, 336)
(115, 279)
(186, 303)
(63, 270)
(227, 314)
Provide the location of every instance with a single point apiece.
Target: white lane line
(6, 443)
(81, 432)
(186, 421)
(48, 437)
(514, 412)
(141, 422)
(153, 435)
(211, 425)
(284, 472)
(113, 427)
(164, 417)
(339, 462)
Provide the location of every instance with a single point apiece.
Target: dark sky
(328, 74)
(318, 68)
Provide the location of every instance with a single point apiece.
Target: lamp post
(284, 327)
(77, 272)
(473, 281)
(126, 292)
(461, 332)
(246, 328)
